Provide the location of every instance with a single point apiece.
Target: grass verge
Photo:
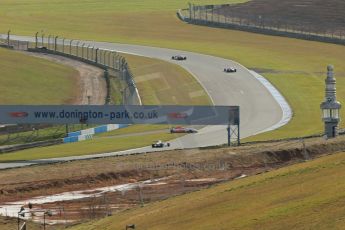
(97, 145)
(19, 83)
(274, 200)
(161, 82)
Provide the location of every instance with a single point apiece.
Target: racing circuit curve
(259, 109)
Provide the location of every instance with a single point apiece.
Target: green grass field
(97, 145)
(21, 75)
(296, 67)
(161, 82)
(19, 84)
(304, 196)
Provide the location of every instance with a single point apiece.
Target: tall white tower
(330, 107)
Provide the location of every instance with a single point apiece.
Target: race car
(180, 129)
(160, 144)
(179, 57)
(230, 70)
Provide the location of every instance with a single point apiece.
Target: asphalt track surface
(259, 110)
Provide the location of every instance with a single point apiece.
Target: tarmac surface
(259, 109)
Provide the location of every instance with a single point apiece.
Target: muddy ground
(182, 171)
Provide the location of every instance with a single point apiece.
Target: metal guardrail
(12, 148)
(206, 15)
(109, 60)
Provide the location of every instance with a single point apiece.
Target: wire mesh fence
(27, 133)
(14, 44)
(216, 16)
(113, 64)
(111, 61)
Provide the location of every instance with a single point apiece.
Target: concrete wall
(87, 134)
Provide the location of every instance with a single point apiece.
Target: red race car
(180, 129)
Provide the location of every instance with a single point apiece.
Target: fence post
(193, 12)
(42, 39)
(206, 15)
(114, 61)
(87, 52)
(96, 56)
(105, 57)
(104, 53)
(55, 43)
(106, 76)
(70, 46)
(8, 38)
(82, 50)
(100, 56)
(218, 17)
(49, 41)
(77, 47)
(109, 58)
(63, 45)
(190, 10)
(36, 39)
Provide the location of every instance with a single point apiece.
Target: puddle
(11, 209)
(241, 176)
(202, 180)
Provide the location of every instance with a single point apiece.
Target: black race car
(160, 144)
(179, 57)
(230, 70)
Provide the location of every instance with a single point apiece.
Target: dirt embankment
(90, 86)
(223, 164)
(178, 172)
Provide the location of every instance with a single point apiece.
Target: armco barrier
(18, 147)
(77, 138)
(87, 134)
(99, 129)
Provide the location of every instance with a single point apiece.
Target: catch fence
(210, 15)
(114, 65)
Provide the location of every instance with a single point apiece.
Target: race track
(259, 110)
